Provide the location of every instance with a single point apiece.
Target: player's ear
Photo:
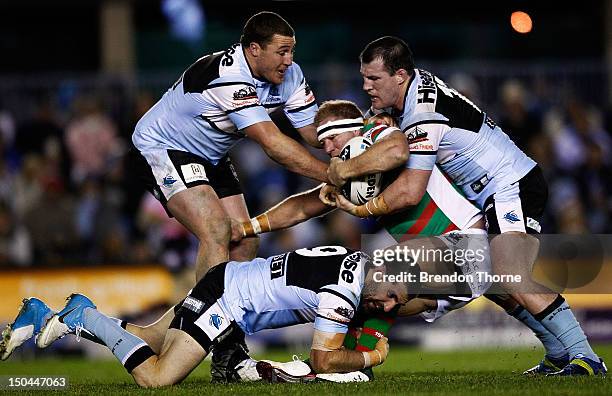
(254, 49)
(400, 76)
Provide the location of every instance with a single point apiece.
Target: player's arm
(328, 356)
(405, 191)
(286, 151)
(289, 212)
(309, 134)
(386, 154)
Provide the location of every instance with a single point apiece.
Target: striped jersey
(206, 110)
(442, 209)
(321, 285)
(444, 127)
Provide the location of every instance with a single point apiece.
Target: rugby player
(324, 285)
(442, 209)
(182, 143)
(446, 130)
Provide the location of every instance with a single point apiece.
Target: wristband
(371, 358)
(374, 207)
(256, 225)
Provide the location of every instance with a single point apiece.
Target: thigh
(199, 209)
(235, 207)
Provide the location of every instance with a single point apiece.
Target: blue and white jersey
(444, 127)
(321, 285)
(206, 110)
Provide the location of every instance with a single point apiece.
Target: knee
(216, 231)
(147, 379)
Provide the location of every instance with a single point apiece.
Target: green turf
(408, 371)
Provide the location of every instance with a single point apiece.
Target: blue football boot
(32, 316)
(582, 365)
(548, 365)
(67, 321)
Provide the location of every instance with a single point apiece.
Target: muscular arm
(386, 154)
(296, 209)
(286, 151)
(328, 356)
(406, 190)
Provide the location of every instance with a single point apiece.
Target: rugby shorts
(167, 172)
(200, 314)
(519, 206)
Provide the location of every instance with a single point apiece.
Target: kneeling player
(324, 285)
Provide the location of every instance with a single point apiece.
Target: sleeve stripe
(314, 102)
(225, 84)
(270, 105)
(337, 294)
(440, 122)
(424, 152)
(242, 108)
(333, 320)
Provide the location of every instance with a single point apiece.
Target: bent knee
(245, 250)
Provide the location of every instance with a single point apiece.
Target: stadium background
(75, 76)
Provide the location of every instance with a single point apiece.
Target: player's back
(321, 284)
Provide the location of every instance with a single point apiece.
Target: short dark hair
(337, 108)
(262, 26)
(393, 51)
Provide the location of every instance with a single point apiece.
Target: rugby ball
(361, 189)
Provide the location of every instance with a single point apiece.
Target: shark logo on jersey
(168, 181)
(245, 93)
(511, 217)
(216, 321)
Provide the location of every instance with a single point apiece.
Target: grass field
(408, 371)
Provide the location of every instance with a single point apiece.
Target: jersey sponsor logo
(193, 172)
(345, 311)
(277, 266)
(245, 93)
(511, 217)
(534, 224)
(426, 91)
(308, 93)
(479, 184)
(417, 135)
(228, 60)
(193, 304)
(215, 320)
(349, 265)
(421, 147)
(168, 181)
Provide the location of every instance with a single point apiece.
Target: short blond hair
(339, 109)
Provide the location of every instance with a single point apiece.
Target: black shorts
(167, 172)
(201, 316)
(518, 207)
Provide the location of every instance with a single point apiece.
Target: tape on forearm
(374, 207)
(371, 358)
(256, 225)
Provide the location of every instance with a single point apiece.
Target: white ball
(360, 189)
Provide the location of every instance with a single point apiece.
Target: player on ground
(182, 146)
(445, 129)
(442, 209)
(324, 285)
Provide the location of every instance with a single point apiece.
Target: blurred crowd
(66, 197)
